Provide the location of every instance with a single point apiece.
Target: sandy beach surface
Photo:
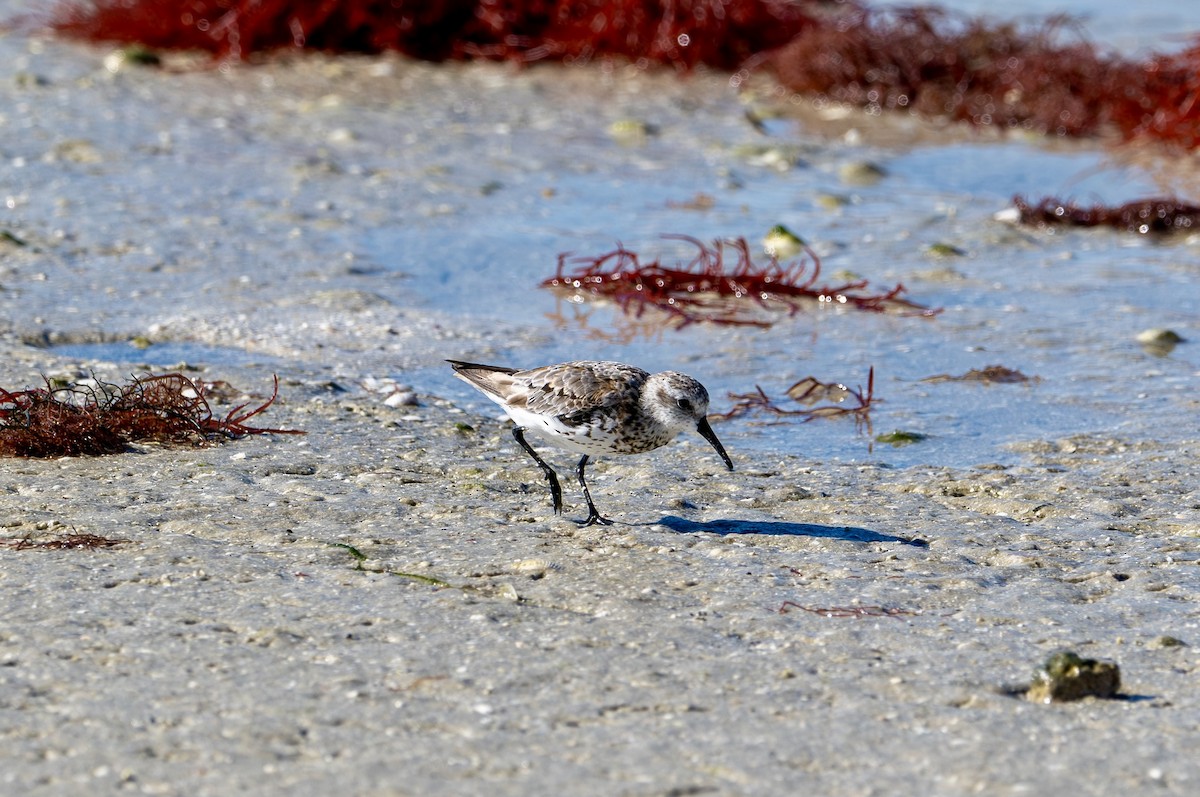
(386, 605)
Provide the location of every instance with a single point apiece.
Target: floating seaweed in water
(898, 438)
(710, 290)
(103, 419)
(991, 375)
(1143, 216)
(808, 391)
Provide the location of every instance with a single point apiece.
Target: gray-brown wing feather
(576, 387)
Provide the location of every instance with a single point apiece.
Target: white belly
(594, 438)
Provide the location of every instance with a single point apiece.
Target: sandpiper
(594, 408)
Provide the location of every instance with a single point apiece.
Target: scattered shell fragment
(1067, 676)
(402, 398)
(773, 156)
(507, 592)
(533, 568)
(395, 394)
(1008, 216)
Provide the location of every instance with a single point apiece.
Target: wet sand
(386, 606)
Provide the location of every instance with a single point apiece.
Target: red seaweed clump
(83, 420)
(708, 289)
(685, 33)
(1160, 99)
(936, 64)
(1143, 216)
(922, 60)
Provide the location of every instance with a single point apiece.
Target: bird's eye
(684, 405)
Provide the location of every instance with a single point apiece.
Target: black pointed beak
(708, 434)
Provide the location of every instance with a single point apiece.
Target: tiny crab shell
(534, 568)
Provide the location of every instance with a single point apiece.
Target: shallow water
(369, 217)
(1064, 309)
(162, 355)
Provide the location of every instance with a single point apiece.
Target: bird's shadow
(777, 528)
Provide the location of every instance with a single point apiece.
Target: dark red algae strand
(63, 542)
(1143, 216)
(685, 33)
(711, 289)
(92, 420)
(842, 400)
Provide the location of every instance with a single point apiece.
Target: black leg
(593, 515)
(551, 476)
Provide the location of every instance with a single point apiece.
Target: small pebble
(1166, 641)
(861, 173)
(1159, 342)
(1067, 676)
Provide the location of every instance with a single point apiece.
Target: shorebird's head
(680, 402)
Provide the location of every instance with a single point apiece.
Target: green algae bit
(359, 556)
(781, 243)
(900, 438)
(133, 55)
(944, 250)
(1067, 676)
